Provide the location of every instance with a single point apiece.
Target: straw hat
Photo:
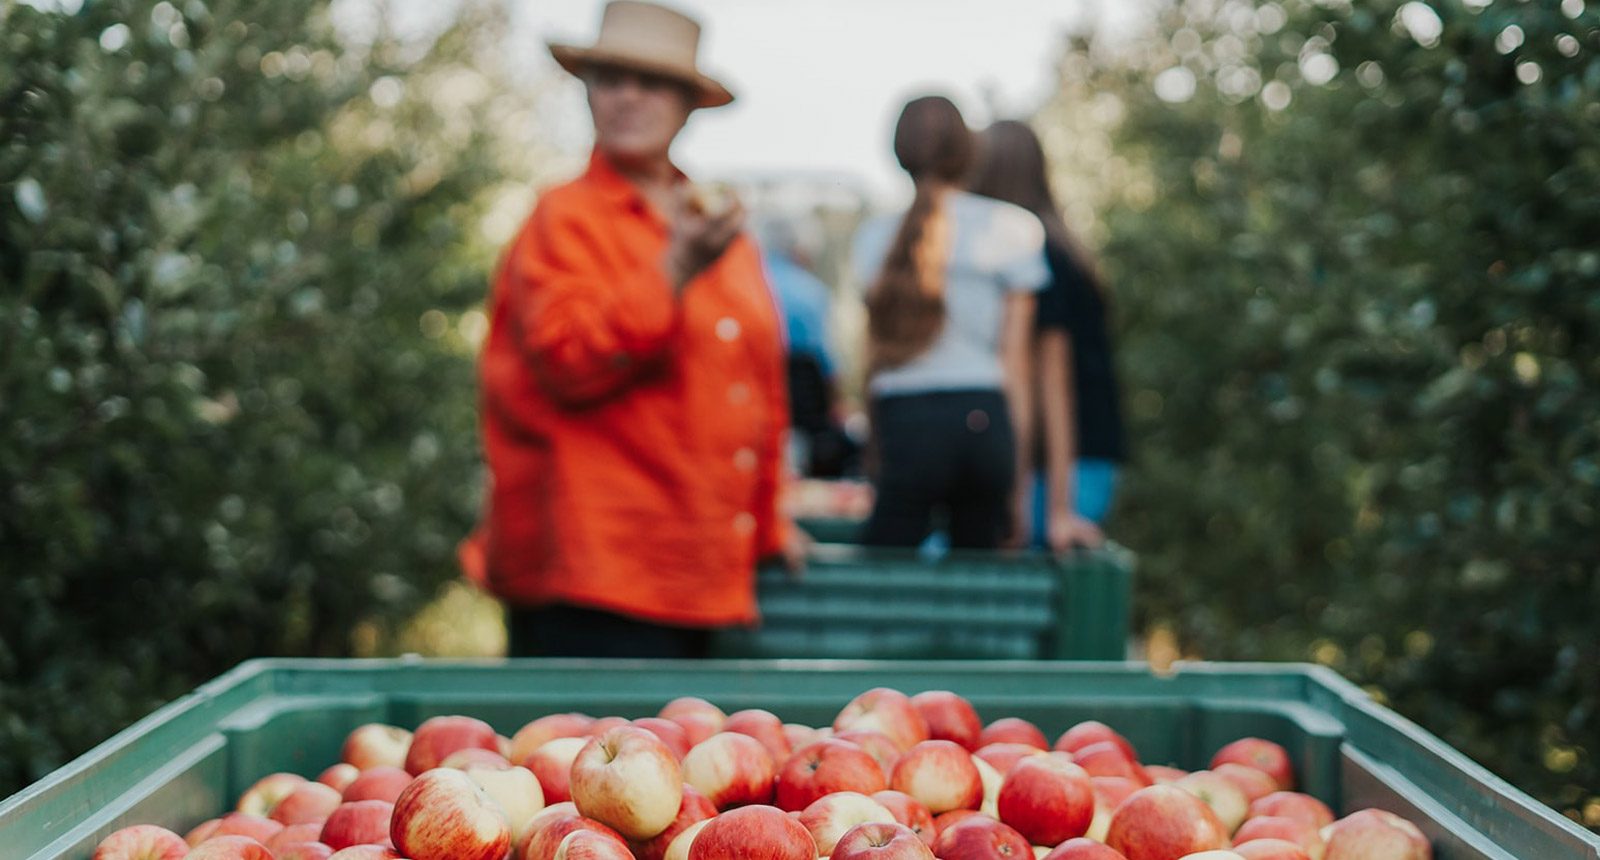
(648, 38)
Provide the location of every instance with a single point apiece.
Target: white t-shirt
(996, 249)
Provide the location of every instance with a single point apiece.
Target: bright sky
(820, 82)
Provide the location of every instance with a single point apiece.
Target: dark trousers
(562, 630)
(949, 454)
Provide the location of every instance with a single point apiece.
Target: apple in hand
(823, 768)
(880, 841)
(830, 817)
(753, 833)
(444, 815)
(376, 744)
(141, 842)
(438, 737)
(940, 775)
(357, 822)
(884, 710)
(1047, 800)
(1161, 822)
(629, 780)
(1263, 755)
(980, 837)
(730, 769)
(949, 717)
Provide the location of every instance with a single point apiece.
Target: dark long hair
(1011, 167)
(905, 305)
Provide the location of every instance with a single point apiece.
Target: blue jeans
(1095, 490)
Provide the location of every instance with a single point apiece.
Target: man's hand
(699, 236)
(1066, 529)
(796, 550)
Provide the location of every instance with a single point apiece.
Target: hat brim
(708, 92)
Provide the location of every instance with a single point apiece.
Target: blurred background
(1351, 251)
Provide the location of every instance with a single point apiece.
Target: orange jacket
(634, 439)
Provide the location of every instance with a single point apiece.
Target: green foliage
(236, 390)
(1353, 253)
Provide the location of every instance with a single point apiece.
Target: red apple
(311, 802)
(592, 845)
(1221, 794)
(1162, 822)
(376, 744)
(1306, 836)
(880, 841)
(310, 831)
(981, 838)
(679, 848)
(825, 767)
(546, 832)
(1082, 848)
(1002, 756)
(552, 764)
(700, 719)
(946, 820)
(992, 780)
(908, 812)
(384, 782)
(884, 710)
(202, 831)
(753, 833)
(1109, 792)
(1108, 758)
(545, 729)
(444, 815)
(245, 824)
(1374, 834)
(730, 769)
(339, 776)
(629, 780)
(1271, 849)
(474, 757)
(765, 727)
(365, 852)
(267, 792)
(1160, 774)
(1254, 783)
(231, 847)
(877, 744)
(940, 775)
(695, 808)
(517, 791)
(1293, 804)
(1263, 755)
(949, 717)
(606, 724)
(669, 732)
(1090, 732)
(357, 822)
(438, 737)
(1047, 800)
(311, 850)
(800, 736)
(141, 842)
(1013, 730)
(831, 817)
(1215, 854)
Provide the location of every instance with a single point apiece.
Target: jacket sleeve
(589, 323)
(771, 518)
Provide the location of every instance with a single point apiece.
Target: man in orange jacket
(632, 383)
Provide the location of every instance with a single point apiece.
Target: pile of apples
(895, 777)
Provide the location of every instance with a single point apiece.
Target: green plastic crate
(188, 761)
(832, 529)
(858, 602)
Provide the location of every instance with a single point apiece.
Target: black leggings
(563, 630)
(947, 452)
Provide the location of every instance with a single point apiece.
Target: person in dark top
(1079, 415)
